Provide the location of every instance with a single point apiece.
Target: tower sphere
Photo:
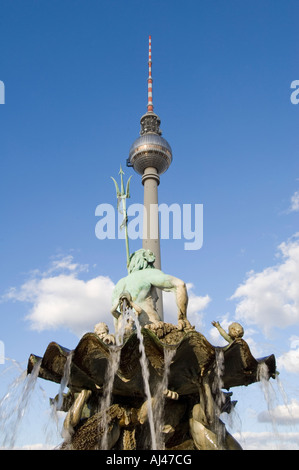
(150, 150)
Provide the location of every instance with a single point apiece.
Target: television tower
(150, 156)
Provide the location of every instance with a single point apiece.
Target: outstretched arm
(178, 287)
(222, 331)
(114, 310)
(180, 291)
(115, 299)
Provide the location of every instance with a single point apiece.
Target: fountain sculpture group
(151, 384)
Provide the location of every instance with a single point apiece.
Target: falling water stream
(269, 395)
(155, 416)
(159, 398)
(112, 368)
(145, 376)
(217, 390)
(14, 405)
(64, 380)
(272, 392)
(58, 403)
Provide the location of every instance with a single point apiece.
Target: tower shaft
(151, 230)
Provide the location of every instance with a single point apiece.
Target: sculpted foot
(155, 325)
(184, 324)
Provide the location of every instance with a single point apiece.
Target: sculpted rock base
(192, 402)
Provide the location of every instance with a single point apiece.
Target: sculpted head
(101, 329)
(141, 259)
(235, 330)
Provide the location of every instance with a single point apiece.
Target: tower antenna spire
(150, 106)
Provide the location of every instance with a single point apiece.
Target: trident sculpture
(121, 198)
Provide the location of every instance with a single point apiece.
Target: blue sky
(75, 88)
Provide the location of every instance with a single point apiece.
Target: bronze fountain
(189, 379)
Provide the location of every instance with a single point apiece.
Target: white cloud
(268, 440)
(65, 301)
(35, 447)
(270, 298)
(282, 414)
(62, 300)
(290, 359)
(294, 207)
(66, 263)
(196, 305)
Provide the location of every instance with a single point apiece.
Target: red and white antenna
(150, 106)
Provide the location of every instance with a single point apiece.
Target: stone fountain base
(188, 379)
